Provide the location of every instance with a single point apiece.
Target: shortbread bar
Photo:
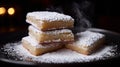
(87, 42)
(45, 20)
(37, 49)
(63, 35)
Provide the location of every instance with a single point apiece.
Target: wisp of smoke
(75, 10)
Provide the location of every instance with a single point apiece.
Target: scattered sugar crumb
(61, 56)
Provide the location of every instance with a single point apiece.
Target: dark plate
(111, 37)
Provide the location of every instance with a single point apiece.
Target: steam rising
(81, 20)
(76, 11)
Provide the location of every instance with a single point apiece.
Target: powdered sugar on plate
(61, 56)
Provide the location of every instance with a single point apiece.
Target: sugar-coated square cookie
(46, 20)
(87, 42)
(37, 49)
(54, 36)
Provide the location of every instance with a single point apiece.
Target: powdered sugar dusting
(34, 43)
(87, 38)
(49, 32)
(50, 16)
(61, 56)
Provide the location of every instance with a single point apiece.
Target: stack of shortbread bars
(48, 31)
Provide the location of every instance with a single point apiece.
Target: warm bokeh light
(11, 11)
(2, 10)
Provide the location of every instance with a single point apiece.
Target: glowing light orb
(2, 10)
(11, 11)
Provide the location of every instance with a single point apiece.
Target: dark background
(104, 14)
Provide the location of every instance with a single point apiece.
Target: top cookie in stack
(45, 20)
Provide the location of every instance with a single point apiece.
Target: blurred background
(103, 14)
(87, 13)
